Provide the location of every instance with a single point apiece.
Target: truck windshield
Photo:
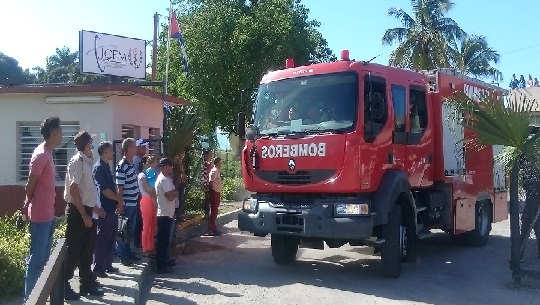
(316, 103)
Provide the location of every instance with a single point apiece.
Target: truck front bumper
(316, 222)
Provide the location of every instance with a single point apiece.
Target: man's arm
(106, 189)
(37, 164)
(75, 176)
(168, 189)
(120, 181)
(30, 188)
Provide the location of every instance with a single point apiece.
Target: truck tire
(284, 248)
(393, 248)
(482, 223)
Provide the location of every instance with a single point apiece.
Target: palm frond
(493, 123)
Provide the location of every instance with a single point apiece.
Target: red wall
(12, 198)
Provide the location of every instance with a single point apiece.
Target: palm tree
(496, 124)
(424, 37)
(181, 126)
(474, 57)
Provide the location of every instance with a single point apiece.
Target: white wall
(137, 110)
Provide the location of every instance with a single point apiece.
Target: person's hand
(120, 209)
(87, 221)
(101, 213)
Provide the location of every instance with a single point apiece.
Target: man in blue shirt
(127, 187)
(107, 226)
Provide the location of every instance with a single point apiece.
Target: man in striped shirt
(128, 188)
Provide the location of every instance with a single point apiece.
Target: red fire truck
(361, 153)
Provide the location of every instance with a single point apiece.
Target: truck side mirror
(241, 125)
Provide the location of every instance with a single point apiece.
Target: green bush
(233, 189)
(194, 202)
(14, 247)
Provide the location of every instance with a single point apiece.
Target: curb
(202, 227)
(137, 288)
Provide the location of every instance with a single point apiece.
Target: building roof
(89, 88)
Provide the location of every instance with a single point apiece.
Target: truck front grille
(297, 178)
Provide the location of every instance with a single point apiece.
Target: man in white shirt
(215, 185)
(166, 195)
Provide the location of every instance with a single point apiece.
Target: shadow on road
(444, 273)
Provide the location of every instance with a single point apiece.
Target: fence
(51, 281)
(524, 212)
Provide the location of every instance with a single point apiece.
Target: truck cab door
(419, 160)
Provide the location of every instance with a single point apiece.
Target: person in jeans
(107, 226)
(39, 203)
(214, 183)
(148, 204)
(81, 193)
(128, 188)
(166, 194)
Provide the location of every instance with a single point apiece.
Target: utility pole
(154, 48)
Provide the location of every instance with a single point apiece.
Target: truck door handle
(390, 157)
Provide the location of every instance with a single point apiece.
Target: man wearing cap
(142, 150)
(81, 194)
(127, 187)
(166, 194)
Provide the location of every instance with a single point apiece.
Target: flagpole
(168, 50)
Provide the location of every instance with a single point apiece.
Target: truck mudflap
(317, 221)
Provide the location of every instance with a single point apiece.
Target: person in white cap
(142, 150)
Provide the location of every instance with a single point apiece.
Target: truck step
(375, 241)
(424, 234)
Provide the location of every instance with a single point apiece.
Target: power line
(521, 49)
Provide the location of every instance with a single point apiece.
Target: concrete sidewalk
(125, 286)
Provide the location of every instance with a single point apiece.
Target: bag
(123, 232)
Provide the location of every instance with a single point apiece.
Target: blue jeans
(41, 237)
(124, 250)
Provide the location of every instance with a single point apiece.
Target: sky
(31, 30)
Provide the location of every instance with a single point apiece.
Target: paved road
(238, 269)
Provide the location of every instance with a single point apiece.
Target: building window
(128, 131)
(30, 137)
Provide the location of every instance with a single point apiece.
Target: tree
(63, 67)
(11, 73)
(496, 124)
(181, 126)
(473, 56)
(424, 37)
(231, 44)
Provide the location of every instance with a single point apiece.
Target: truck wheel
(394, 246)
(284, 248)
(479, 236)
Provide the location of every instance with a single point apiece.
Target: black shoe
(69, 294)
(134, 257)
(167, 269)
(101, 274)
(171, 263)
(113, 270)
(126, 262)
(93, 291)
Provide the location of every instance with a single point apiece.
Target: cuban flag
(176, 33)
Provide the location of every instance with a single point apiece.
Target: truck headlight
(250, 205)
(343, 209)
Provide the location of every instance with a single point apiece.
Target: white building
(113, 112)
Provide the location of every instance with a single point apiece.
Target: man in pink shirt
(39, 203)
